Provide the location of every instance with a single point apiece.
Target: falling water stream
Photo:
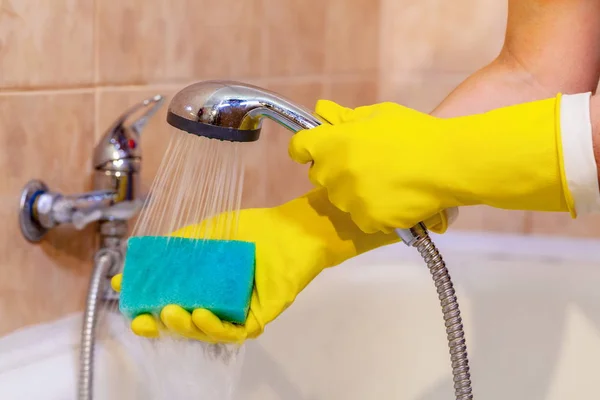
(198, 179)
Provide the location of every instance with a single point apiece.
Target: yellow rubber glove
(294, 243)
(390, 166)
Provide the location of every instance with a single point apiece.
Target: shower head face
(217, 110)
(233, 111)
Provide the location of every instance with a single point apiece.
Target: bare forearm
(497, 85)
(558, 41)
(551, 46)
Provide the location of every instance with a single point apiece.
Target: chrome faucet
(116, 194)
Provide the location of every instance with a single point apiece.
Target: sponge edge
(217, 275)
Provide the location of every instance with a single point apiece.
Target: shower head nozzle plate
(212, 131)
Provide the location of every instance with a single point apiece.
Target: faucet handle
(150, 107)
(120, 142)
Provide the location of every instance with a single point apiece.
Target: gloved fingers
(317, 174)
(367, 221)
(365, 224)
(253, 326)
(145, 325)
(300, 146)
(333, 112)
(437, 223)
(336, 192)
(219, 331)
(306, 145)
(179, 321)
(115, 282)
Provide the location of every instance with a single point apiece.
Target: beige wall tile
(149, 42)
(422, 91)
(438, 35)
(481, 218)
(353, 93)
(564, 225)
(295, 32)
(254, 192)
(209, 40)
(352, 36)
(46, 137)
(132, 41)
(46, 43)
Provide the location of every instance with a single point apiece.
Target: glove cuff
(579, 164)
(510, 158)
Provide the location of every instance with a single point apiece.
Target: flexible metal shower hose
(103, 261)
(453, 321)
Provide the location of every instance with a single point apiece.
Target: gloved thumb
(306, 145)
(333, 112)
(300, 146)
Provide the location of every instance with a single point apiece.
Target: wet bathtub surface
(372, 329)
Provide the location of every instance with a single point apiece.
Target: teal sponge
(217, 275)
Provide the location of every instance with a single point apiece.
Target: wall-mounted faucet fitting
(115, 196)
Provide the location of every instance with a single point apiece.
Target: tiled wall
(69, 67)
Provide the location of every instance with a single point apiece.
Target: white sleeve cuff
(578, 154)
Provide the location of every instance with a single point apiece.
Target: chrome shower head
(233, 111)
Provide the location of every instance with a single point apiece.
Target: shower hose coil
(453, 321)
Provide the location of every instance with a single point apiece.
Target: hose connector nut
(411, 236)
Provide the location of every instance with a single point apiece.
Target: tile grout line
(383, 44)
(326, 81)
(96, 42)
(380, 53)
(527, 223)
(264, 42)
(96, 70)
(400, 75)
(347, 77)
(53, 91)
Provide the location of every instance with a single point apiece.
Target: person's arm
(550, 46)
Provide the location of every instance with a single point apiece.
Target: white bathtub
(372, 329)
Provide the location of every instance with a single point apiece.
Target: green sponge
(217, 275)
